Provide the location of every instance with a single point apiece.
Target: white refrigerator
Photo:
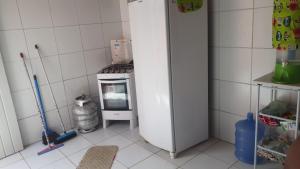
(170, 52)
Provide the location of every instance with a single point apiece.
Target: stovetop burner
(118, 68)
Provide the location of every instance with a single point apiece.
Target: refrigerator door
(189, 65)
(151, 58)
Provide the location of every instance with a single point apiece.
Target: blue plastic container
(245, 139)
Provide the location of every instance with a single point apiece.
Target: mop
(66, 135)
(42, 114)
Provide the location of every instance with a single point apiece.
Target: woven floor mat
(99, 157)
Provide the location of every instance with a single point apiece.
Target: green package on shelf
(288, 74)
(186, 6)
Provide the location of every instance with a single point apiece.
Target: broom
(42, 115)
(51, 146)
(66, 135)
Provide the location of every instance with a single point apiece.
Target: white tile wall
(44, 38)
(93, 84)
(68, 39)
(75, 88)
(16, 75)
(235, 4)
(11, 44)
(74, 40)
(30, 129)
(236, 28)
(63, 12)
(235, 64)
(214, 94)
(25, 103)
(92, 36)
(110, 10)
(241, 50)
(52, 68)
(263, 61)
(263, 3)
(73, 65)
(9, 15)
(112, 31)
(215, 123)
(35, 13)
(262, 37)
(214, 34)
(124, 10)
(96, 59)
(88, 11)
(235, 97)
(227, 126)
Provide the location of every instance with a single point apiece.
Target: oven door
(115, 94)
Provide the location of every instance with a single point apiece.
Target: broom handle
(35, 96)
(51, 91)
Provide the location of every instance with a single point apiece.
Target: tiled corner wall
(240, 46)
(74, 38)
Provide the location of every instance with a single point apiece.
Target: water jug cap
(250, 116)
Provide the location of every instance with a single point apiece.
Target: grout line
(252, 52)
(24, 159)
(57, 26)
(60, 66)
(234, 47)
(37, 114)
(142, 161)
(43, 85)
(239, 9)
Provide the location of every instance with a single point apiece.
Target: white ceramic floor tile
(74, 145)
(32, 150)
(132, 135)
(132, 155)
(212, 154)
(222, 151)
(181, 158)
(119, 141)
(203, 161)
(206, 145)
(36, 162)
(148, 146)
(77, 157)
(99, 135)
(234, 167)
(10, 160)
(18, 165)
(154, 162)
(241, 165)
(118, 165)
(119, 127)
(60, 164)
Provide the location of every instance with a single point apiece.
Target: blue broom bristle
(65, 136)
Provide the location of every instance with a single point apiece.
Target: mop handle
(51, 91)
(39, 96)
(37, 104)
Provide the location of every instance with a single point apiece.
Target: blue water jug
(245, 139)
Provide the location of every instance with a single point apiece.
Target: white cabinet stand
(266, 82)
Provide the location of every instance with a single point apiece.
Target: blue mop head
(51, 147)
(65, 137)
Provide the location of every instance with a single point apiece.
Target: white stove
(117, 94)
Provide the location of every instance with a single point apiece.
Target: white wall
(240, 47)
(74, 35)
